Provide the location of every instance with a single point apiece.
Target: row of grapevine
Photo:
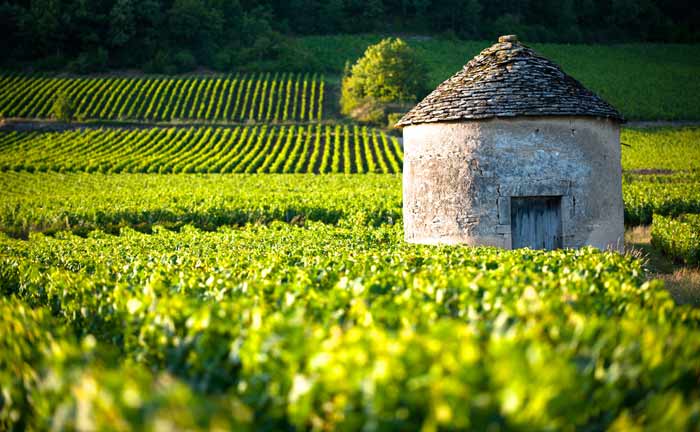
(242, 149)
(670, 195)
(78, 202)
(264, 97)
(678, 237)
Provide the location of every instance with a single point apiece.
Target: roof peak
(508, 38)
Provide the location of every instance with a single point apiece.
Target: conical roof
(508, 79)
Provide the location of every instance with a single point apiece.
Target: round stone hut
(513, 152)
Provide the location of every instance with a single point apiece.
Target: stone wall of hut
(459, 177)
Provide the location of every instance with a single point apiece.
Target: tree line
(178, 35)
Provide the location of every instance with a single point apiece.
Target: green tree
(122, 22)
(11, 17)
(63, 108)
(389, 74)
(45, 26)
(195, 25)
(461, 16)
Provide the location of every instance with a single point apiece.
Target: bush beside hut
(388, 78)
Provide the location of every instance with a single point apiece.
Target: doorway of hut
(535, 222)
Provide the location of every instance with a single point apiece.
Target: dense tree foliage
(173, 35)
(63, 108)
(388, 73)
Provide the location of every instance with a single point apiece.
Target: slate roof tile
(505, 80)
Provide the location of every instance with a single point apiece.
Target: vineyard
(333, 327)
(679, 237)
(235, 293)
(224, 250)
(661, 151)
(244, 149)
(49, 202)
(670, 191)
(270, 98)
(668, 195)
(670, 156)
(662, 173)
(283, 301)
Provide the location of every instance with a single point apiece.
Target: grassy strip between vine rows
(278, 97)
(678, 237)
(336, 328)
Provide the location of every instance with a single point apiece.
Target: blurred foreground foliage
(327, 327)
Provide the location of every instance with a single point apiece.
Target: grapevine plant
(281, 326)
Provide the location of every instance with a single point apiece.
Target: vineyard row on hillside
(678, 238)
(243, 149)
(276, 98)
(47, 202)
(315, 148)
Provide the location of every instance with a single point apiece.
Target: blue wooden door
(535, 222)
